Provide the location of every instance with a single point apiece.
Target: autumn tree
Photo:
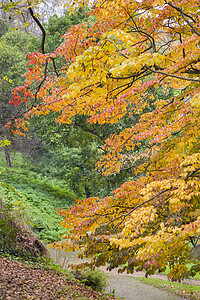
(110, 69)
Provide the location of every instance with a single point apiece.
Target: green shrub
(95, 279)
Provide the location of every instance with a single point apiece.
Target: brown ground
(20, 281)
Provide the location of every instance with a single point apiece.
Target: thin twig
(133, 209)
(54, 66)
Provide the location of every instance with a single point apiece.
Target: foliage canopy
(109, 70)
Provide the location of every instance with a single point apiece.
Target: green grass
(183, 290)
(21, 177)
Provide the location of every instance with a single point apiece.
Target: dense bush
(96, 279)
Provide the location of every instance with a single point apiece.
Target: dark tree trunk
(7, 155)
(87, 192)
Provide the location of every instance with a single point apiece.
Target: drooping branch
(123, 217)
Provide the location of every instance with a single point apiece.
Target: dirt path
(126, 287)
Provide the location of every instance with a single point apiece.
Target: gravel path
(126, 287)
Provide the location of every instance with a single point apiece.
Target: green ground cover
(37, 196)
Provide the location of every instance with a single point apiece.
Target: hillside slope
(30, 281)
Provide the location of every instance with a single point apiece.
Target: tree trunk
(7, 155)
(87, 192)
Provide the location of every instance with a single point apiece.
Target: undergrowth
(95, 279)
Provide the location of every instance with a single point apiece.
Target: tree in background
(109, 70)
(12, 65)
(61, 157)
(16, 42)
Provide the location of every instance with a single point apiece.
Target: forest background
(135, 77)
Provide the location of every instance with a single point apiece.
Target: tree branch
(40, 26)
(173, 75)
(184, 17)
(133, 209)
(54, 66)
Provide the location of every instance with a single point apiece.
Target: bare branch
(40, 26)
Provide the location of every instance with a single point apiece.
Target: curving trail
(130, 288)
(126, 287)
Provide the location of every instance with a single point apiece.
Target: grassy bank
(39, 197)
(180, 289)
